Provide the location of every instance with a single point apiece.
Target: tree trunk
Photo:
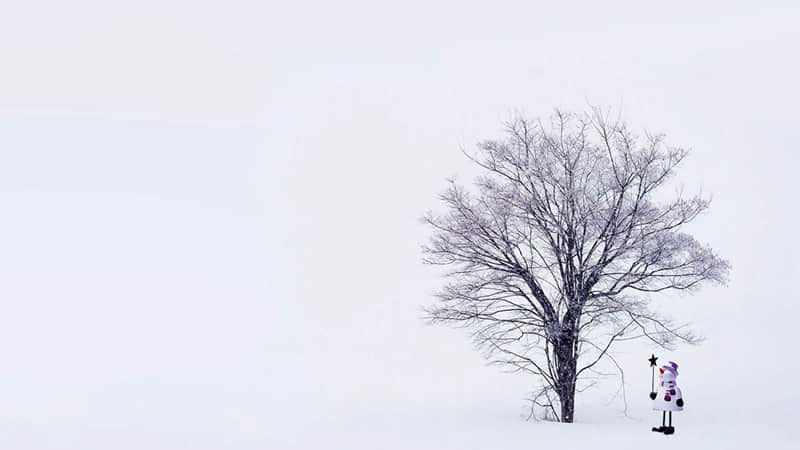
(567, 400)
(567, 364)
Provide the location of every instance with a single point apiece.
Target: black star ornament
(652, 360)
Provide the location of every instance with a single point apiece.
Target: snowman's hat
(672, 367)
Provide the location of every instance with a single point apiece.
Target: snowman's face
(666, 376)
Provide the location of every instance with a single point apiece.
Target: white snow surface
(726, 409)
(489, 431)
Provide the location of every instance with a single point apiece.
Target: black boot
(670, 429)
(663, 423)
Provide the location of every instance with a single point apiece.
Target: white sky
(210, 232)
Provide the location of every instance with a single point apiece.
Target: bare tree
(554, 255)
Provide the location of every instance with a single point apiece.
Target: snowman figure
(668, 397)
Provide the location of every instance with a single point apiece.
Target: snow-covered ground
(479, 432)
(738, 396)
(729, 406)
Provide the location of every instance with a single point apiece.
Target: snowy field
(210, 237)
(513, 435)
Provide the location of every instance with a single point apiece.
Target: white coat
(667, 394)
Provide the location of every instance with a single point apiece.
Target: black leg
(664, 418)
(662, 427)
(670, 429)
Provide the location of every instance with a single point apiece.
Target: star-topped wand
(653, 360)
